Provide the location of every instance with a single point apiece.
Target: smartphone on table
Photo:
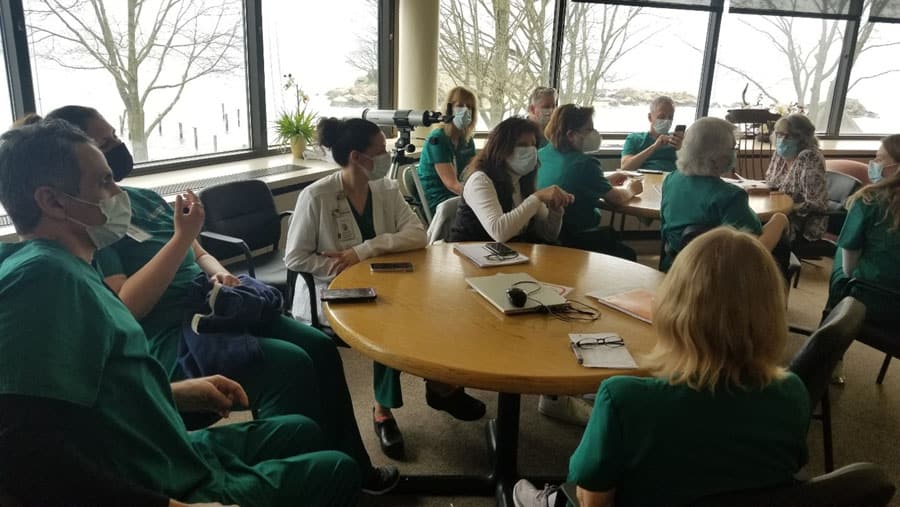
(348, 295)
(391, 267)
(500, 249)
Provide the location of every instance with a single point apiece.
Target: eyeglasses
(607, 341)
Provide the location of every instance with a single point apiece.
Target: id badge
(136, 233)
(346, 231)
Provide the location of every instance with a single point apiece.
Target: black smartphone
(348, 295)
(391, 267)
(679, 129)
(500, 249)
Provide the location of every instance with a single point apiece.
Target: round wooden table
(647, 204)
(431, 324)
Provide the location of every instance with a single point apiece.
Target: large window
(5, 103)
(872, 107)
(775, 62)
(170, 76)
(618, 58)
(500, 50)
(329, 50)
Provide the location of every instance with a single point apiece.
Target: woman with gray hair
(797, 168)
(696, 199)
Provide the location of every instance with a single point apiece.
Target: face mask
(120, 161)
(662, 126)
(523, 160)
(733, 162)
(591, 141)
(875, 170)
(543, 116)
(462, 117)
(381, 166)
(786, 148)
(117, 210)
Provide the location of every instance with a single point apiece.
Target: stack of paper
(477, 253)
(601, 355)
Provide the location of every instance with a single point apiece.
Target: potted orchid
(298, 126)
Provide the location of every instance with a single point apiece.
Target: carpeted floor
(866, 420)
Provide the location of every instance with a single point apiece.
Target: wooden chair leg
(884, 368)
(826, 433)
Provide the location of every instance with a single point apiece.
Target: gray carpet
(866, 421)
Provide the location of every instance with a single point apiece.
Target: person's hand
(226, 279)
(661, 140)
(617, 178)
(189, 216)
(676, 140)
(209, 394)
(779, 218)
(176, 503)
(341, 260)
(635, 186)
(554, 197)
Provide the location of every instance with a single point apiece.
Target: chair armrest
(856, 283)
(285, 214)
(313, 302)
(233, 242)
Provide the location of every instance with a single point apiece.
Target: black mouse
(516, 296)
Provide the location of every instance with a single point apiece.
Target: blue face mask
(875, 171)
(733, 162)
(786, 148)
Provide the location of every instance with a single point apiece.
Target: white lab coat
(323, 211)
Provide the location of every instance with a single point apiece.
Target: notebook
(494, 287)
(477, 253)
(636, 302)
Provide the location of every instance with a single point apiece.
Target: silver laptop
(494, 287)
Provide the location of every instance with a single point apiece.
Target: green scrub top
(663, 159)
(439, 149)
(365, 221)
(867, 229)
(153, 216)
(702, 200)
(64, 335)
(582, 176)
(663, 445)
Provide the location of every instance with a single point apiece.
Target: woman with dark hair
(499, 202)
(869, 244)
(564, 162)
(346, 218)
(152, 270)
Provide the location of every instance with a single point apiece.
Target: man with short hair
(543, 102)
(87, 416)
(655, 149)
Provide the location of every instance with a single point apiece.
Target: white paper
(602, 356)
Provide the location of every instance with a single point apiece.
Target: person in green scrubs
(448, 150)
(67, 340)
(571, 133)
(869, 244)
(656, 148)
(543, 101)
(718, 412)
(151, 269)
(696, 196)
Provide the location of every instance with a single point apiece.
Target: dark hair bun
(330, 130)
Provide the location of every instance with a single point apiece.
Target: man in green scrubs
(440, 149)
(66, 337)
(654, 149)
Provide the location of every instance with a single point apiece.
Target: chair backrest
(823, 349)
(854, 168)
(242, 209)
(754, 148)
(422, 199)
(840, 187)
(406, 182)
(444, 216)
(856, 485)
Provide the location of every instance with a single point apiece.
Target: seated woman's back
(719, 413)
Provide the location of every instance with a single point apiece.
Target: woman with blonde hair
(797, 168)
(869, 244)
(449, 149)
(716, 394)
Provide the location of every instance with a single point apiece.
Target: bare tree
(365, 58)
(152, 51)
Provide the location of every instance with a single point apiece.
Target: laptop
(494, 287)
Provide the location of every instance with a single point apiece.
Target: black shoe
(389, 437)
(381, 480)
(458, 404)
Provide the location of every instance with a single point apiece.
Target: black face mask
(120, 161)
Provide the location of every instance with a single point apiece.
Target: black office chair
(840, 187)
(856, 485)
(241, 217)
(313, 303)
(816, 361)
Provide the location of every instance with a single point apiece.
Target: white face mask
(117, 211)
(462, 117)
(381, 166)
(543, 116)
(591, 141)
(523, 160)
(662, 126)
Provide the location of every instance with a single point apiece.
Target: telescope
(404, 118)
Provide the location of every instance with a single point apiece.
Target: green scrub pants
(277, 462)
(387, 386)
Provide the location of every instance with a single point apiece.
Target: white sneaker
(526, 495)
(567, 409)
